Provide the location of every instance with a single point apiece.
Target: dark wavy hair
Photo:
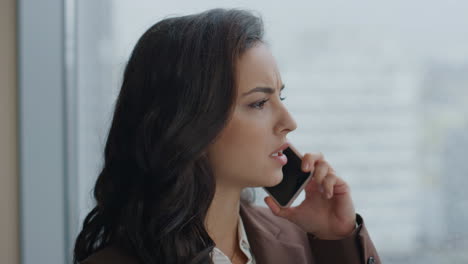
(177, 94)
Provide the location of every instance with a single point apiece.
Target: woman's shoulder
(109, 254)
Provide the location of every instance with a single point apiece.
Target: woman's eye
(262, 103)
(259, 104)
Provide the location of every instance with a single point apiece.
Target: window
(380, 89)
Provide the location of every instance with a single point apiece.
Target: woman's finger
(309, 159)
(340, 187)
(329, 183)
(276, 209)
(321, 170)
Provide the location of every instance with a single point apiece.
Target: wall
(9, 220)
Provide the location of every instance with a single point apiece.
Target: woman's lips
(281, 158)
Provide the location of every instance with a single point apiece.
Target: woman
(190, 132)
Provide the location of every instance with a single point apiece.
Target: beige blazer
(274, 240)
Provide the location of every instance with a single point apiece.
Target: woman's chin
(270, 181)
(274, 180)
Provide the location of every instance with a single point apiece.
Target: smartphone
(294, 179)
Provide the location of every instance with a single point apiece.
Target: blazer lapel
(266, 240)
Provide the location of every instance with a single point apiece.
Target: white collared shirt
(220, 258)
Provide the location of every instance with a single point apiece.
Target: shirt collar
(220, 257)
(243, 241)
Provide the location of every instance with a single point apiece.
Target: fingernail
(321, 189)
(306, 166)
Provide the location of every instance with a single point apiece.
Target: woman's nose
(287, 122)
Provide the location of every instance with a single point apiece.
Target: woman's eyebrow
(268, 90)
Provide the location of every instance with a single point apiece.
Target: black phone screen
(293, 178)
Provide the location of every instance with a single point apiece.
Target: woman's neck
(222, 218)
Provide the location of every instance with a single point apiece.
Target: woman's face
(241, 154)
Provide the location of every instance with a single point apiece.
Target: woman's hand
(327, 217)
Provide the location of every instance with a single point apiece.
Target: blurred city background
(379, 87)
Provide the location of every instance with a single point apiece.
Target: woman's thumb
(276, 209)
